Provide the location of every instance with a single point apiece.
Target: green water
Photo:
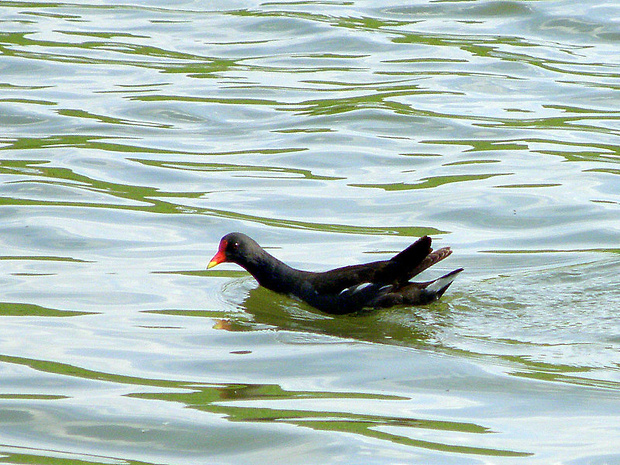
(134, 135)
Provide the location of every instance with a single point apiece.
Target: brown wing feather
(428, 261)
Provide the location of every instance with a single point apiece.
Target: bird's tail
(436, 288)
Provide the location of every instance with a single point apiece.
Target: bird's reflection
(406, 325)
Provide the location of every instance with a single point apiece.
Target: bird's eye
(234, 246)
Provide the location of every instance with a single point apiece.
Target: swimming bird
(348, 289)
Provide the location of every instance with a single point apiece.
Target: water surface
(134, 135)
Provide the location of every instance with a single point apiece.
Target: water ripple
(134, 136)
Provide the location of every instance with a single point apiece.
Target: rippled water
(134, 135)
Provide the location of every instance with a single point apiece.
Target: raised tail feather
(415, 253)
(416, 258)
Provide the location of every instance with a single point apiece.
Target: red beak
(219, 257)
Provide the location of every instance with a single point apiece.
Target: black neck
(272, 273)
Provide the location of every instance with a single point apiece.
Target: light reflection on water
(135, 136)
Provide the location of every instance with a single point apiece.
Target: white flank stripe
(354, 289)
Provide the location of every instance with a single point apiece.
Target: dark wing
(337, 280)
(377, 284)
(341, 300)
(397, 271)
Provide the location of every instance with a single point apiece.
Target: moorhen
(348, 289)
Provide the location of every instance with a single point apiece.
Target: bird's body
(348, 289)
